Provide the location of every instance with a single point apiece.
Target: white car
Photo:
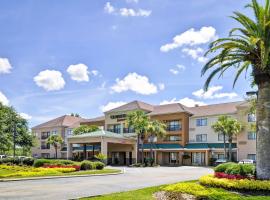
(246, 161)
(2, 156)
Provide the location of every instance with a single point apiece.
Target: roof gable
(134, 105)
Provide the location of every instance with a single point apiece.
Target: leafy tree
(155, 129)
(74, 115)
(248, 48)
(85, 129)
(140, 122)
(14, 131)
(55, 141)
(229, 127)
(220, 127)
(101, 157)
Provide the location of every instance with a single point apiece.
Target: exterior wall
(245, 146)
(183, 118)
(37, 151)
(194, 130)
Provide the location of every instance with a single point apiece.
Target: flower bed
(242, 184)
(76, 167)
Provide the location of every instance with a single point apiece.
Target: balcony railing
(174, 128)
(44, 137)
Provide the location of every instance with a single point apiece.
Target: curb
(55, 177)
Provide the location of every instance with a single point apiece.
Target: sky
(86, 57)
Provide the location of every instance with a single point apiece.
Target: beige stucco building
(189, 140)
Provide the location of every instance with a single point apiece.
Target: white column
(134, 152)
(69, 150)
(104, 148)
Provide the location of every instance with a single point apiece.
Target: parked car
(247, 161)
(220, 161)
(2, 156)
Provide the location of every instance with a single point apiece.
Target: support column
(84, 152)
(134, 153)
(69, 151)
(206, 157)
(104, 148)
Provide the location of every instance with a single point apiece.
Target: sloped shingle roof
(134, 105)
(169, 108)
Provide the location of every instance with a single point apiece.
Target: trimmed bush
(87, 165)
(223, 167)
(243, 184)
(28, 161)
(99, 165)
(41, 162)
(242, 170)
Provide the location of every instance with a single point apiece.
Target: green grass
(142, 194)
(189, 187)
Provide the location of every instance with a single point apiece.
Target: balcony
(174, 128)
(45, 146)
(117, 130)
(44, 137)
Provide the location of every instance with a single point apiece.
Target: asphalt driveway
(72, 188)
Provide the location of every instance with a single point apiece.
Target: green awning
(162, 146)
(208, 145)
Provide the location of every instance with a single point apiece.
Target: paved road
(72, 188)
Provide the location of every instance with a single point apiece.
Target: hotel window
(173, 157)
(174, 138)
(174, 125)
(44, 145)
(251, 117)
(220, 156)
(45, 135)
(201, 122)
(251, 156)
(54, 132)
(201, 138)
(221, 137)
(251, 135)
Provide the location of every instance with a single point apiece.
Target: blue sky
(58, 57)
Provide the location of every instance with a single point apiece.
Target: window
(115, 128)
(54, 132)
(221, 137)
(251, 117)
(201, 138)
(44, 145)
(45, 135)
(220, 156)
(45, 155)
(174, 125)
(174, 138)
(201, 122)
(251, 135)
(173, 157)
(251, 156)
(69, 131)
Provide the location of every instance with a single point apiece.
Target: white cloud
(95, 72)
(50, 80)
(5, 66)
(78, 72)
(177, 69)
(108, 8)
(132, 1)
(213, 93)
(161, 86)
(185, 101)
(136, 83)
(126, 12)
(191, 37)
(25, 116)
(111, 105)
(3, 99)
(196, 54)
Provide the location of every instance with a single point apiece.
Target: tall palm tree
(233, 129)
(220, 127)
(248, 48)
(139, 121)
(155, 129)
(55, 140)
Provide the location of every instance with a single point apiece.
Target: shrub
(101, 157)
(28, 161)
(243, 184)
(99, 165)
(223, 167)
(87, 165)
(41, 162)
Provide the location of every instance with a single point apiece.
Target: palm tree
(155, 129)
(139, 121)
(248, 48)
(55, 140)
(220, 127)
(233, 128)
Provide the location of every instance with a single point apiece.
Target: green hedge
(41, 162)
(243, 184)
(18, 161)
(88, 165)
(236, 169)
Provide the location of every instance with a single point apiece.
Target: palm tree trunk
(224, 140)
(138, 148)
(230, 149)
(142, 150)
(55, 151)
(263, 131)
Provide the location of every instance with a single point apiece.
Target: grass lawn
(147, 194)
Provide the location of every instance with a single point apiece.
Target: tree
(155, 129)
(248, 48)
(55, 140)
(85, 129)
(233, 129)
(220, 127)
(14, 131)
(74, 115)
(139, 121)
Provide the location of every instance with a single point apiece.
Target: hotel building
(189, 139)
